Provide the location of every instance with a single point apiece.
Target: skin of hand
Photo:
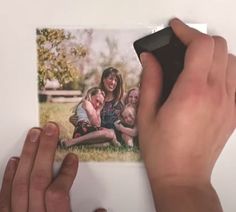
(181, 140)
(29, 184)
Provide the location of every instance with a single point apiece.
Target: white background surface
(119, 187)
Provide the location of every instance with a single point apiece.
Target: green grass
(60, 113)
(102, 154)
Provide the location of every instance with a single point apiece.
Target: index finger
(41, 175)
(6, 190)
(185, 33)
(200, 49)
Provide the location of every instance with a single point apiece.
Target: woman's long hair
(119, 90)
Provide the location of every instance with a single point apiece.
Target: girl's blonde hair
(91, 92)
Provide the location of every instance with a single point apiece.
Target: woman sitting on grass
(112, 85)
(88, 128)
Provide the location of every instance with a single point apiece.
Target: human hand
(118, 125)
(29, 184)
(181, 140)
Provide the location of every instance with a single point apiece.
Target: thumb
(200, 49)
(151, 88)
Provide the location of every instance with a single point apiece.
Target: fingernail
(143, 58)
(13, 163)
(70, 159)
(14, 158)
(50, 129)
(34, 134)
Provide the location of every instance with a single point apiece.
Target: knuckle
(56, 195)
(68, 174)
(39, 181)
(7, 179)
(220, 40)
(3, 203)
(207, 40)
(27, 152)
(20, 186)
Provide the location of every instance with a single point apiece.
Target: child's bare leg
(96, 137)
(128, 140)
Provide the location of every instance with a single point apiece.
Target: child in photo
(88, 112)
(126, 125)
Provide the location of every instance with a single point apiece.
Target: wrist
(176, 170)
(181, 182)
(190, 180)
(186, 197)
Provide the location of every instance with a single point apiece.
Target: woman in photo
(112, 85)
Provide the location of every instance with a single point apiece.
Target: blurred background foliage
(67, 58)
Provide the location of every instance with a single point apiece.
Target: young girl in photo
(126, 125)
(88, 112)
(88, 128)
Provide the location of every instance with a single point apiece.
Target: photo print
(88, 81)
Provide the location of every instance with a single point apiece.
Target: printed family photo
(88, 81)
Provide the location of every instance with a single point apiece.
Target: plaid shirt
(110, 113)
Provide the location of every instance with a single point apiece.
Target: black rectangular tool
(169, 51)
